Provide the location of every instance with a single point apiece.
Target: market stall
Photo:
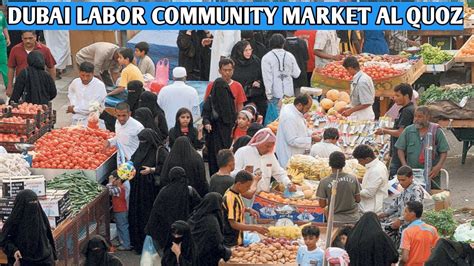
(24, 123)
(466, 55)
(386, 71)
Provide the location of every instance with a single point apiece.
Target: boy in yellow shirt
(130, 72)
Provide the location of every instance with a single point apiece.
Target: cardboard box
(13, 185)
(55, 206)
(56, 221)
(444, 203)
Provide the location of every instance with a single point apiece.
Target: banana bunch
(290, 232)
(296, 177)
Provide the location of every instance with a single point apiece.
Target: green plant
(443, 221)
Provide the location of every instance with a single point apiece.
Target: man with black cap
(178, 95)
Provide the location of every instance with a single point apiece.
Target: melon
(327, 103)
(331, 111)
(308, 194)
(344, 96)
(340, 105)
(332, 95)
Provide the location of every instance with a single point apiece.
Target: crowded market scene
(237, 147)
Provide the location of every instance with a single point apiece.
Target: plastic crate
(92, 220)
(27, 128)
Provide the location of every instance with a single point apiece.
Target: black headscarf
(237, 54)
(188, 248)
(184, 155)
(253, 128)
(368, 244)
(192, 134)
(27, 229)
(149, 100)
(135, 89)
(149, 143)
(448, 252)
(145, 117)
(96, 253)
(171, 204)
(240, 142)
(206, 224)
(34, 84)
(222, 101)
(337, 242)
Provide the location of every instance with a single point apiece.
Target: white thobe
(279, 67)
(81, 96)
(176, 96)
(267, 163)
(293, 136)
(127, 136)
(222, 43)
(323, 149)
(374, 187)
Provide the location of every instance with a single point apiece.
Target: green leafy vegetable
(449, 92)
(443, 221)
(434, 55)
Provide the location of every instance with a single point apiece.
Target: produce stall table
(93, 220)
(457, 34)
(463, 130)
(460, 57)
(383, 87)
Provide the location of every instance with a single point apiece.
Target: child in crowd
(129, 73)
(119, 189)
(341, 237)
(257, 118)
(144, 62)
(185, 127)
(324, 148)
(244, 119)
(221, 181)
(234, 211)
(310, 254)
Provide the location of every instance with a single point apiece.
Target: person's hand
(176, 248)
(105, 144)
(208, 128)
(9, 90)
(396, 224)
(412, 43)
(206, 41)
(434, 171)
(315, 137)
(146, 170)
(260, 119)
(347, 112)
(254, 213)
(256, 84)
(17, 255)
(8, 42)
(257, 177)
(379, 131)
(337, 57)
(381, 215)
(292, 187)
(70, 109)
(261, 230)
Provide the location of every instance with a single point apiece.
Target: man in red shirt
(18, 54)
(226, 69)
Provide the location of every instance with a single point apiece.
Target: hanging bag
(161, 75)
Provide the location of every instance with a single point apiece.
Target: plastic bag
(337, 256)
(465, 232)
(149, 255)
(250, 238)
(272, 113)
(162, 75)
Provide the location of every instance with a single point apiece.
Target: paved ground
(461, 176)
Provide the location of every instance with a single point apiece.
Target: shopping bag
(149, 255)
(272, 112)
(162, 75)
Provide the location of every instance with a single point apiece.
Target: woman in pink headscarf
(258, 157)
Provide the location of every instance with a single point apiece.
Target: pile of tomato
(28, 109)
(11, 137)
(72, 148)
(337, 71)
(14, 120)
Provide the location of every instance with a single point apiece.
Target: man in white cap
(178, 95)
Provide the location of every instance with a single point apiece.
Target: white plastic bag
(149, 255)
(465, 232)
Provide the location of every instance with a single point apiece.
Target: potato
(282, 260)
(275, 257)
(263, 259)
(268, 256)
(279, 254)
(277, 245)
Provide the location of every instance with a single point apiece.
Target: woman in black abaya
(34, 84)
(26, 234)
(142, 187)
(182, 244)
(145, 117)
(218, 119)
(149, 100)
(174, 202)
(206, 224)
(96, 253)
(184, 155)
(368, 244)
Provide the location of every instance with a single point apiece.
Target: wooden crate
(464, 59)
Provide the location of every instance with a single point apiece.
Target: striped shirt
(234, 209)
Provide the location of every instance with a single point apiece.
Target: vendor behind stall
(234, 209)
(362, 92)
(258, 155)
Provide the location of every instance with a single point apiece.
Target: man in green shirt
(411, 144)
